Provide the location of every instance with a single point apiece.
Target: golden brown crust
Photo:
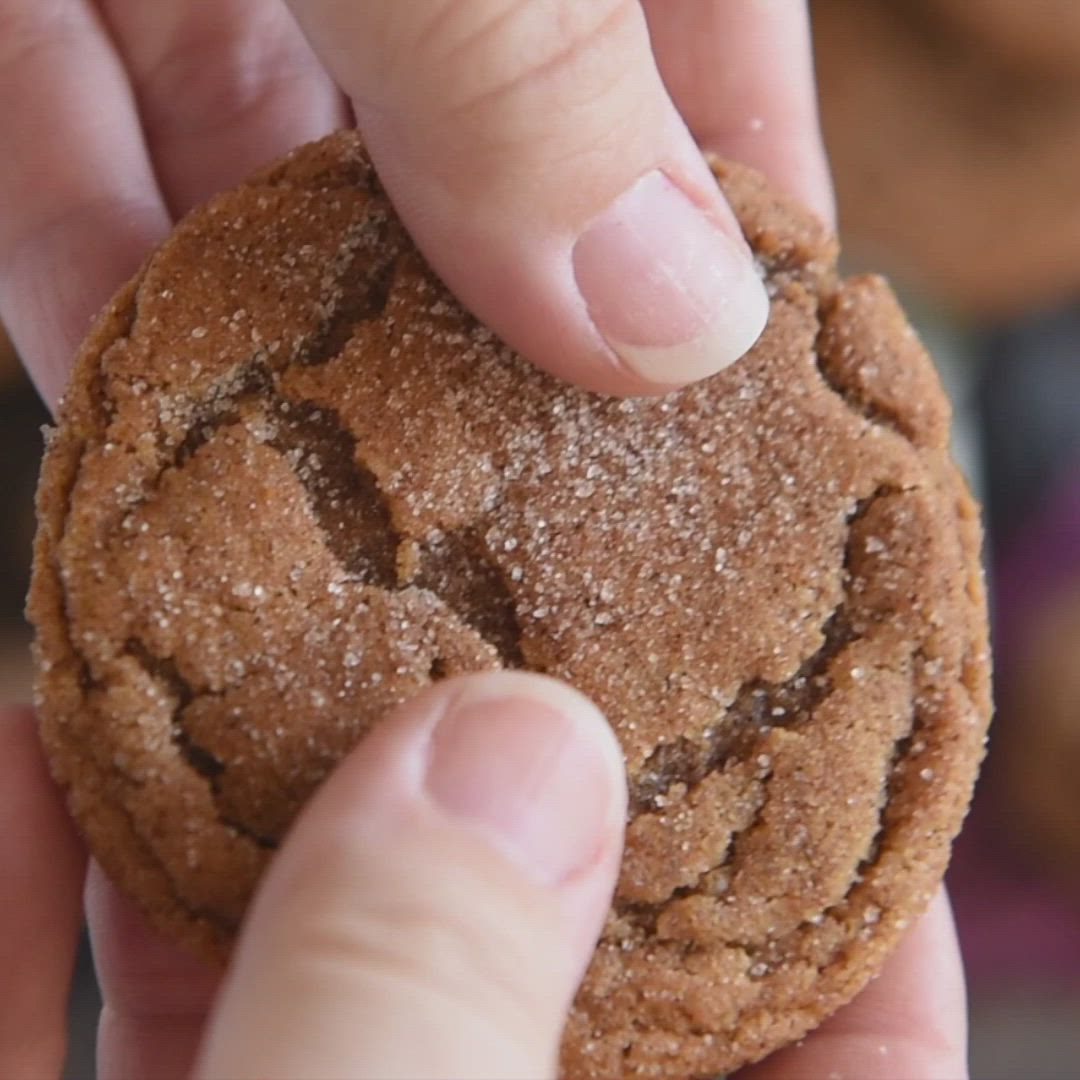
(293, 482)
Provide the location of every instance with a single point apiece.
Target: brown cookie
(954, 171)
(294, 482)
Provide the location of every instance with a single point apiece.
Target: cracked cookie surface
(293, 483)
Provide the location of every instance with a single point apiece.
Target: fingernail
(538, 780)
(674, 296)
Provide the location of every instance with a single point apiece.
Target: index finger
(79, 203)
(41, 873)
(156, 994)
(910, 1022)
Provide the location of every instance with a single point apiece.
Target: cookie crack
(357, 306)
(357, 523)
(352, 511)
(354, 515)
(88, 684)
(900, 750)
(225, 925)
(251, 381)
(759, 705)
(165, 672)
(102, 406)
(343, 494)
(872, 411)
(457, 570)
(198, 758)
(645, 915)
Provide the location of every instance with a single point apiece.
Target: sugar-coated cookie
(293, 482)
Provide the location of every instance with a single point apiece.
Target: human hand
(120, 116)
(532, 149)
(429, 916)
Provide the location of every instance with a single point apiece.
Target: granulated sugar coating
(293, 483)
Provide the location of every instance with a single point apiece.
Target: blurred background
(953, 127)
(954, 131)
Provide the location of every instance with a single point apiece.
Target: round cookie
(293, 483)
(956, 173)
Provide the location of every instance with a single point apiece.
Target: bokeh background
(954, 132)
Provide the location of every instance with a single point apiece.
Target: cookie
(953, 171)
(293, 483)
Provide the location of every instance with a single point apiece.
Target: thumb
(435, 907)
(536, 157)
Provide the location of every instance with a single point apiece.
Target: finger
(533, 152)
(742, 75)
(910, 1022)
(222, 87)
(436, 906)
(41, 873)
(155, 995)
(79, 205)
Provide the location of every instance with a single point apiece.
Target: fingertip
(43, 863)
(450, 878)
(674, 296)
(540, 165)
(156, 994)
(524, 760)
(140, 970)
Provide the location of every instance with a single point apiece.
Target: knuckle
(484, 57)
(28, 30)
(38, 229)
(220, 63)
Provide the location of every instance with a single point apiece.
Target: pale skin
(505, 132)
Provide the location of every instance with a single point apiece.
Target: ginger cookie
(293, 483)
(955, 169)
